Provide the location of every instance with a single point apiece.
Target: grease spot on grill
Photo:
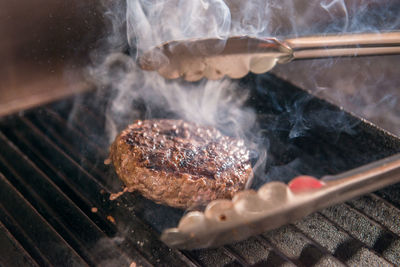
(114, 196)
(111, 219)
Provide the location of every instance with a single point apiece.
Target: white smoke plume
(138, 25)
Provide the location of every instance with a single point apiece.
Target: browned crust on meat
(180, 164)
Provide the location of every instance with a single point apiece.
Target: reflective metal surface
(276, 204)
(236, 56)
(214, 58)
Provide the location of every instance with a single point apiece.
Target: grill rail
(52, 175)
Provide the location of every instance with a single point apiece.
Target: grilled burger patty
(180, 164)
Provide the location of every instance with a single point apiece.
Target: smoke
(359, 85)
(138, 94)
(150, 23)
(366, 86)
(135, 26)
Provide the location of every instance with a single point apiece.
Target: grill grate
(52, 175)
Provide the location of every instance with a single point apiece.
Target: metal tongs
(276, 204)
(236, 56)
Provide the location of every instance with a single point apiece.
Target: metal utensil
(276, 204)
(236, 56)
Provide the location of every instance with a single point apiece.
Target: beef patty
(180, 164)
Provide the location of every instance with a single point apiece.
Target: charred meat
(180, 164)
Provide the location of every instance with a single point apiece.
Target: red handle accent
(305, 183)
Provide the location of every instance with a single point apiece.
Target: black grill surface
(54, 190)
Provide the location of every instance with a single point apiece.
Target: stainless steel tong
(236, 56)
(276, 204)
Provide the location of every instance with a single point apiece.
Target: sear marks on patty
(180, 164)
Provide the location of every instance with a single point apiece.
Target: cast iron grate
(52, 176)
